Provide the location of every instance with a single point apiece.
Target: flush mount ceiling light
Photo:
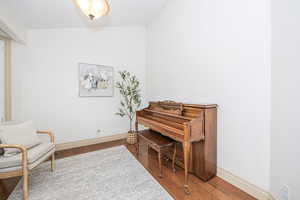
(93, 8)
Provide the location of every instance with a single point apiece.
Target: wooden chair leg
(25, 185)
(53, 162)
(174, 158)
(159, 163)
(25, 174)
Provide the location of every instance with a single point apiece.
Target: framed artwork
(96, 80)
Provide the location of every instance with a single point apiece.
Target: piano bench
(159, 143)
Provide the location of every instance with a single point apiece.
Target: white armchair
(21, 163)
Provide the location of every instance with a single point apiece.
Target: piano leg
(186, 149)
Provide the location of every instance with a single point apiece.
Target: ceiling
(64, 14)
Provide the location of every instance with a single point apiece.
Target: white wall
(285, 151)
(1, 80)
(45, 79)
(216, 51)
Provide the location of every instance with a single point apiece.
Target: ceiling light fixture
(93, 8)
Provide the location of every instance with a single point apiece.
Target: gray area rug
(109, 174)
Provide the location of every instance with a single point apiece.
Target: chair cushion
(2, 149)
(34, 154)
(18, 133)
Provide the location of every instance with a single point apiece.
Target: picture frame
(96, 80)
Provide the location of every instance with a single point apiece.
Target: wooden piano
(193, 126)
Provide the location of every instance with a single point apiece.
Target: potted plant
(130, 100)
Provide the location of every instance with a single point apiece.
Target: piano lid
(179, 104)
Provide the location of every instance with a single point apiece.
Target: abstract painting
(96, 80)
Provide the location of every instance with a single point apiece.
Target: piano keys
(193, 126)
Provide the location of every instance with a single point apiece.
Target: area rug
(109, 174)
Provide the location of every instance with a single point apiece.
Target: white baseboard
(247, 187)
(87, 142)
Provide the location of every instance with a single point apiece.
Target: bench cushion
(34, 154)
(155, 138)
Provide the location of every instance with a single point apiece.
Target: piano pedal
(187, 190)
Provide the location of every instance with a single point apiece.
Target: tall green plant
(130, 96)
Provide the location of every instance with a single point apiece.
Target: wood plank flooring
(215, 189)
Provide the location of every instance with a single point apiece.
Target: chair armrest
(20, 147)
(23, 152)
(51, 135)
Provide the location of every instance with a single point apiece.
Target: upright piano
(193, 126)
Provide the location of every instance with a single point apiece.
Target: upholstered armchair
(26, 159)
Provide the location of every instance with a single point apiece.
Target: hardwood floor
(215, 189)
